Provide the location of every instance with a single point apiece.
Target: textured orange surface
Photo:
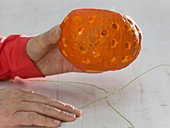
(96, 40)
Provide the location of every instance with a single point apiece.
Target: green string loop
(108, 95)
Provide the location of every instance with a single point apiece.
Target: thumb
(40, 45)
(50, 37)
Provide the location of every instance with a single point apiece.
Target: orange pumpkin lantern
(96, 40)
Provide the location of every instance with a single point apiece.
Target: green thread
(72, 83)
(68, 82)
(91, 103)
(119, 113)
(139, 77)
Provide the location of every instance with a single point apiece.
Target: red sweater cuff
(19, 62)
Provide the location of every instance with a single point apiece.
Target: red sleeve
(14, 60)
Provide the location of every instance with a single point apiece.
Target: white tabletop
(145, 102)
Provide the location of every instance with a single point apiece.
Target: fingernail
(78, 112)
(57, 33)
(56, 122)
(71, 115)
(31, 91)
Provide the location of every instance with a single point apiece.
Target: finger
(33, 97)
(32, 118)
(44, 42)
(17, 79)
(50, 37)
(46, 111)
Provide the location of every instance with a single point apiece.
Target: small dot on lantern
(112, 59)
(114, 43)
(64, 53)
(125, 59)
(115, 26)
(81, 31)
(65, 42)
(86, 61)
(127, 27)
(128, 45)
(82, 49)
(104, 33)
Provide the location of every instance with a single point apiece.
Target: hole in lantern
(65, 42)
(86, 61)
(130, 21)
(140, 37)
(112, 59)
(135, 44)
(78, 19)
(127, 45)
(96, 54)
(92, 71)
(115, 26)
(127, 27)
(82, 49)
(91, 19)
(64, 53)
(113, 43)
(81, 31)
(125, 59)
(104, 33)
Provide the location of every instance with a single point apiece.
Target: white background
(146, 102)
